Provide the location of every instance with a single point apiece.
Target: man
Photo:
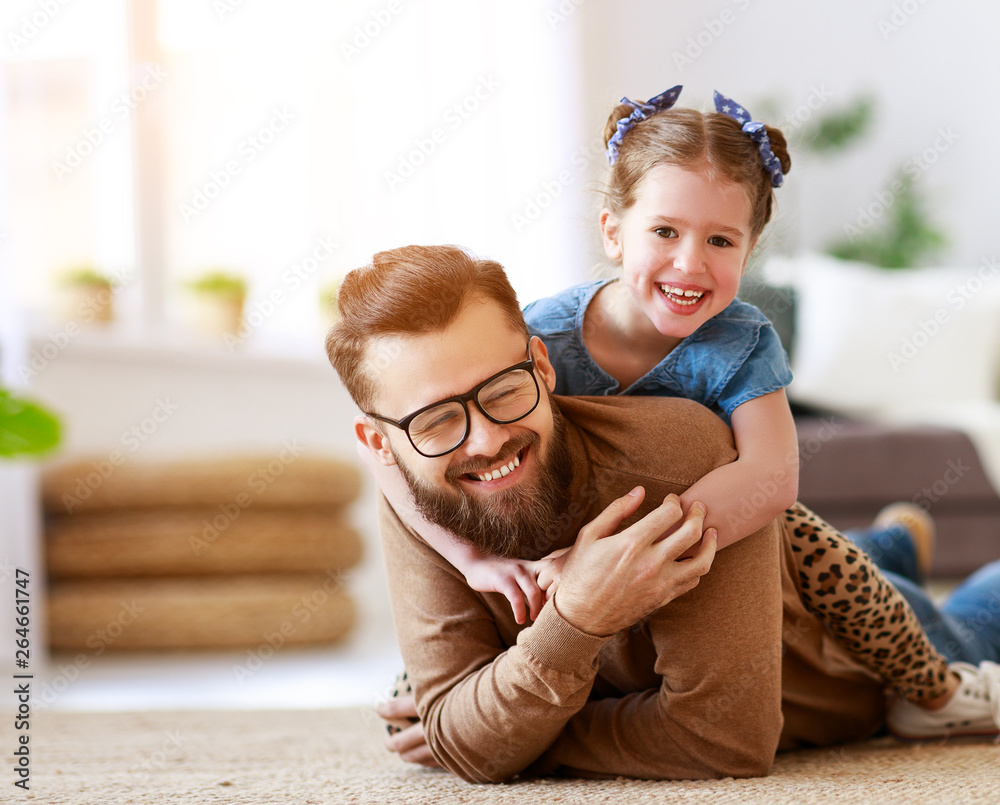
(643, 664)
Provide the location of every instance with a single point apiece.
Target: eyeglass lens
(505, 399)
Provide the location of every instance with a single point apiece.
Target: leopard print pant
(843, 587)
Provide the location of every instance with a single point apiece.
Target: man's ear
(374, 440)
(609, 234)
(543, 365)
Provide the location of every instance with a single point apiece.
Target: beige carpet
(337, 756)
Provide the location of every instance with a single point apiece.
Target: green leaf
(840, 128)
(220, 282)
(904, 238)
(26, 428)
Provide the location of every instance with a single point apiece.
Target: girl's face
(683, 245)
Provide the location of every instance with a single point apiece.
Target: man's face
(512, 513)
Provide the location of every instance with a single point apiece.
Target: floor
(355, 673)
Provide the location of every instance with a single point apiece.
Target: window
(285, 142)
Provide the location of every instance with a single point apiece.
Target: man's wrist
(573, 618)
(558, 644)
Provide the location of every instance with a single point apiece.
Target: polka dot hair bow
(641, 111)
(757, 132)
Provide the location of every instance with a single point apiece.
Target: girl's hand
(513, 578)
(549, 568)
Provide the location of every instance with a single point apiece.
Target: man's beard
(518, 521)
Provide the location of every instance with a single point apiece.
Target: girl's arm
(763, 481)
(514, 578)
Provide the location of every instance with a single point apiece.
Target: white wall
(931, 66)
(564, 64)
(190, 400)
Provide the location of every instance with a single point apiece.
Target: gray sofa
(849, 469)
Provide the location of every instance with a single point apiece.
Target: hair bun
(620, 112)
(779, 145)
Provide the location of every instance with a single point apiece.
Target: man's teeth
(506, 469)
(680, 295)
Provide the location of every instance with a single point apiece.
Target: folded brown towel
(254, 612)
(285, 478)
(193, 542)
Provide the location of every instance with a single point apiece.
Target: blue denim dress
(732, 358)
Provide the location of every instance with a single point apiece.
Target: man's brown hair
(412, 290)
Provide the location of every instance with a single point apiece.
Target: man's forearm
(497, 721)
(716, 710)
(488, 710)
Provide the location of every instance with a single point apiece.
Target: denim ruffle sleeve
(733, 358)
(558, 321)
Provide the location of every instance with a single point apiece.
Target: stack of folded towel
(239, 552)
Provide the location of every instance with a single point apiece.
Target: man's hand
(612, 581)
(408, 743)
(513, 578)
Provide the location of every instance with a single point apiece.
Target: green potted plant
(86, 296)
(26, 428)
(904, 238)
(218, 297)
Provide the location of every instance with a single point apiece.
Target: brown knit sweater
(711, 685)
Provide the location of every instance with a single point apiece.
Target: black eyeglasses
(439, 428)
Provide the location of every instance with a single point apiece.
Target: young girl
(689, 195)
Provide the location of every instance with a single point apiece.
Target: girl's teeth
(504, 471)
(681, 296)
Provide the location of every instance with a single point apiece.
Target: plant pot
(217, 314)
(87, 302)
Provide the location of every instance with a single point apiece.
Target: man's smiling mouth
(485, 473)
(500, 472)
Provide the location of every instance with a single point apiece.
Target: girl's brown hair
(689, 139)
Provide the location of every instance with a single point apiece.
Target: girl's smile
(683, 245)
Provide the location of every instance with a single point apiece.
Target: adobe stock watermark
(157, 760)
(561, 11)
(454, 117)
(300, 614)
(955, 470)
(31, 25)
(66, 673)
(292, 278)
(711, 30)
(131, 439)
(901, 14)
(535, 204)
(248, 150)
(799, 116)
(58, 341)
(223, 8)
(369, 30)
(811, 447)
(957, 298)
(913, 168)
(758, 671)
(257, 484)
(91, 137)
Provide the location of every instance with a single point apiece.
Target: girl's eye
(666, 232)
(718, 240)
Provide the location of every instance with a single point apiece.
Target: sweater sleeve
(488, 711)
(717, 709)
